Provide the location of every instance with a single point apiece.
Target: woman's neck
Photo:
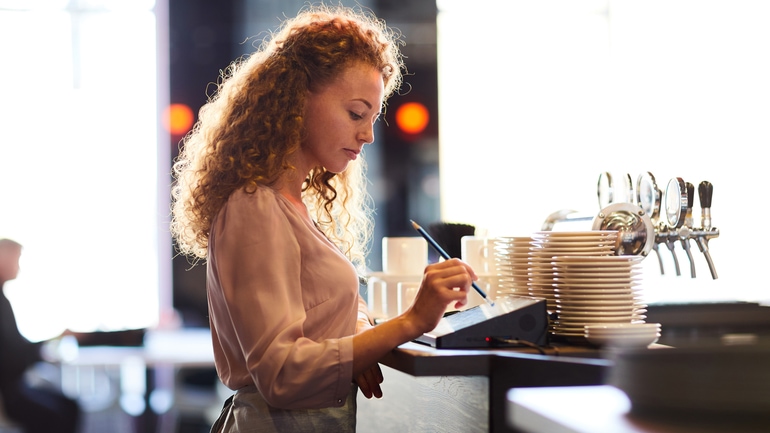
(292, 190)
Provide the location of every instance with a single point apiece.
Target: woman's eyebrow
(368, 104)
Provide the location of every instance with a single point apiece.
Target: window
(537, 98)
(79, 164)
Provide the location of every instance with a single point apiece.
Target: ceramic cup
(479, 253)
(406, 294)
(404, 255)
(377, 297)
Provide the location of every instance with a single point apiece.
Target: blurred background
(515, 107)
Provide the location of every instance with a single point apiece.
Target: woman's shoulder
(258, 192)
(261, 199)
(244, 206)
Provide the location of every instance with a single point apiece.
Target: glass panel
(78, 168)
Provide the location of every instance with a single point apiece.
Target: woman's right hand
(443, 283)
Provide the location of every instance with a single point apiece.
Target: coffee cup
(377, 297)
(404, 255)
(407, 291)
(478, 252)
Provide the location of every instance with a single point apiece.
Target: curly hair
(253, 123)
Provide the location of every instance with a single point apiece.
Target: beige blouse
(283, 303)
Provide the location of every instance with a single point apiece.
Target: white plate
(605, 240)
(578, 295)
(581, 294)
(577, 285)
(582, 321)
(620, 328)
(512, 239)
(610, 259)
(596, 302)
(599, 275)
(624, 341)
(549, 251)
(568, 234)
(554, 244)
(598, 288)
(576, 314)
(599, 264)
(514, 254)
(596, 280)
(595, 267)
(580, 326)
(600, 309)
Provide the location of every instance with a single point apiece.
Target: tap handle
(690, 202)
(705, 191)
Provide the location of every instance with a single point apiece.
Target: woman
(270, 192)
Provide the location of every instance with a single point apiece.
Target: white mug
(377, 298)
(404, 255)
(383, 294)
(479, 253)
(406, 294)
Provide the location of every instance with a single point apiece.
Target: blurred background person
(37, 409)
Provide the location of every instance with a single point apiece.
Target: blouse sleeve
(364, 321)
(257, 266)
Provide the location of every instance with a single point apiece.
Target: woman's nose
(367, 134)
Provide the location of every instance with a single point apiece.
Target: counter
(430, 390)
(604, 409)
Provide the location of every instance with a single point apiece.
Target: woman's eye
(355, 116)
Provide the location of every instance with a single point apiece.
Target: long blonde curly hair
(251, 126)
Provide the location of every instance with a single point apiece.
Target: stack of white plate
(545, 245)
(596, 290)
(623, 334)
(512, 260)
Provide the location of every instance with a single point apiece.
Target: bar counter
(443, 390)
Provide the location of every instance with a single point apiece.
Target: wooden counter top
(420, 360)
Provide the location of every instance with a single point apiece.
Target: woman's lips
(352, 154)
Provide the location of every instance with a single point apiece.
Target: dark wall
(200, 45)
(205, 36)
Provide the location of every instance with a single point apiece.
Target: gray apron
(247, 412)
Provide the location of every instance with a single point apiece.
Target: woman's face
(339, 119)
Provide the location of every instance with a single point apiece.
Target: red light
(178, 119)
(412, 117)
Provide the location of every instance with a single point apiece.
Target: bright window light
(78, 168)
(541, 97)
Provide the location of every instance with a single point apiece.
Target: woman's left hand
(369, 382)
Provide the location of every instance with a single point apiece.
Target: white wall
(537, 98)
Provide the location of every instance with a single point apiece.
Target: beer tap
(671, 247)
(648, 198)
(669, 216)
(705, 192)
(686, 230)
(676, 209)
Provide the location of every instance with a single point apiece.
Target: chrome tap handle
(690, 202)
(703, 246)
(648, 198)
(660, 259)
(685, 232)
(686, 247)
(670, 244)
(705, 192)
